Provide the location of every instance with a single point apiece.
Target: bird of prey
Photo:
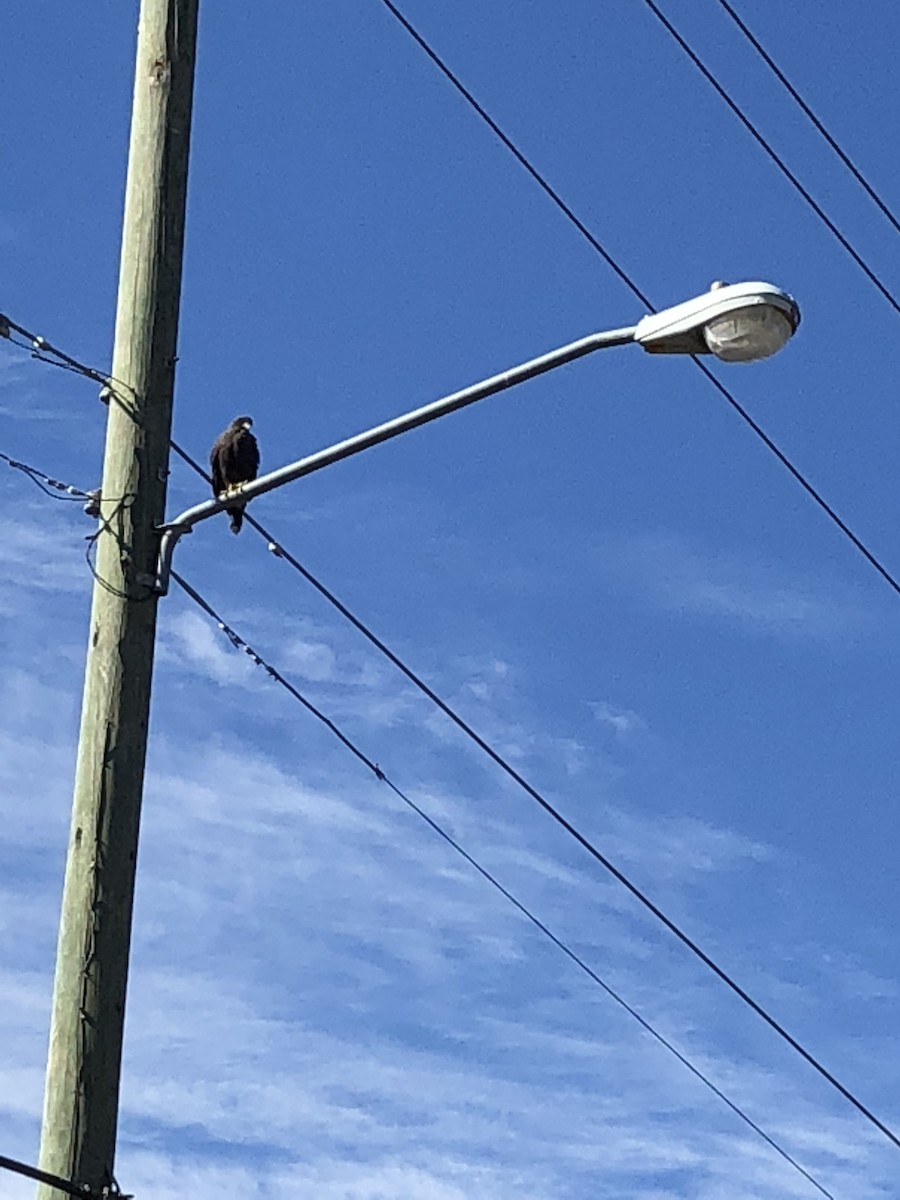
(234, 461)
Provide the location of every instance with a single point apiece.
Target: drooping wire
(807, 110)
(238, 643)
(64, 1185)
(280, 551)
(276, 676)
(53, 488)
(42, 350)
(801, 479)
(523, 161)
(594, 242)
(91, 504)
(779, 162)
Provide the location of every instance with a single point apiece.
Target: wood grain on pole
(81, 1101)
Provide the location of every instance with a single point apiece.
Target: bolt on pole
(82, 1092)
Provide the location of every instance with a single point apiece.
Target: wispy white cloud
(680, 845)
(291, 988)
(764, 597)
(193, 642)
(312, 660)
(623, 721)
(314, 969)
(37, 555)
(487, 696)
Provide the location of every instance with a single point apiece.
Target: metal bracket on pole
(172, 531)
(110, 1192)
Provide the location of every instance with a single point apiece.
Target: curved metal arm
(185, 522)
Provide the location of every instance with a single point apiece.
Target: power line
(594, 242)
(240, 644)
(50, 487)
(108, 389)
(41, 349)
(842, 525)
(274, 674)
(775, 157)
(795, 95)
(92, 508)
(87, 1193)
(281, 552)
(521, 158)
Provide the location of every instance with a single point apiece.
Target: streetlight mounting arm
(738, 322)
(173, 530)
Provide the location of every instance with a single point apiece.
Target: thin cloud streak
(312, 969)
(764, 598)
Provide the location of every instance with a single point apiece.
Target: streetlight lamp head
(748, 334)
(738, 322)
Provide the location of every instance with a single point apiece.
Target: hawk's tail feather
(237, 518)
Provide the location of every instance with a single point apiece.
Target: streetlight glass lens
(748, 333)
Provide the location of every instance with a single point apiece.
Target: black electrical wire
(50, 487)
(281, 552)
(801, 479)
(627, 279)
(240, 644)
(274, 674)
(779, 162)
(74, 1189)
(518, 155)
(278, 549)
(91, 373)
(41, 349)
(807, 110)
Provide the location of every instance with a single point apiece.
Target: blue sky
(604, 571)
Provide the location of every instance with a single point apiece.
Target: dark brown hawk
(234, 461)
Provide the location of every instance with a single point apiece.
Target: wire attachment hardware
(92, 506)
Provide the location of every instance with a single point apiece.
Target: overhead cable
(768, 442)
(280, 551)
(607, 257)
(239, 643)
(50, 487)
(521, 158)
(82, 1190)
(41, 349)
(807, 110)
(276, 676)
(779, 162)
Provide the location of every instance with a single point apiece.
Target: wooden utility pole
(81, 1102)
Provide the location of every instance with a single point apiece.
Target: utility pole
(78, 1136)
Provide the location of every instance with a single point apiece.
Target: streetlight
(738, 322)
